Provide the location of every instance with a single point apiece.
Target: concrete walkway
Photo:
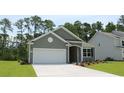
(68, 70)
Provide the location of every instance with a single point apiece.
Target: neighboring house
(108, 45)
(59, 46)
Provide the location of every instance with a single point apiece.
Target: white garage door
(49, 56)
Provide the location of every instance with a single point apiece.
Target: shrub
(83, 64)
(93, 62)
(99, 61)
(23, 61)
(22, 54)
(88, 63)
(109, 59)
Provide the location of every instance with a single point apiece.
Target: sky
(61, 19)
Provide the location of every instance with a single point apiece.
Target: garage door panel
(49, 56)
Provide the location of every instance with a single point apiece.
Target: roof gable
(66, 34)
(105, 34)
(58, 35)
(48, 34)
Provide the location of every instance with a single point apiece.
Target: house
(108, 45)
(59, 46)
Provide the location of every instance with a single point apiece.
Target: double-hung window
(88, 52)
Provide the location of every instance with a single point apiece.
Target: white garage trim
(49, 56)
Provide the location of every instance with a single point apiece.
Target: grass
(14, 69)
(113, 67)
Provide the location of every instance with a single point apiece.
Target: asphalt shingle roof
(114, 34)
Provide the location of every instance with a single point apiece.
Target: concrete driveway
(68, 70)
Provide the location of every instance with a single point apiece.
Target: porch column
(81, 53)
(78, 55)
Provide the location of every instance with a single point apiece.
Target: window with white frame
(88, 52)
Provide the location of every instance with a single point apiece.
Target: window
(88, 52)
(99, 44)
(122, 43)
(84, 52)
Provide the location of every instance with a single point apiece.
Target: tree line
(32, 27)
(27, 29)
(86, 30)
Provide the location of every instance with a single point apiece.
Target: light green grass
(14, 69)
(112, 67)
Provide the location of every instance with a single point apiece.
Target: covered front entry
(74, 54)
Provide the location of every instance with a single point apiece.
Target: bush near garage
(23, 54)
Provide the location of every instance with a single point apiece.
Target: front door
(73, 54)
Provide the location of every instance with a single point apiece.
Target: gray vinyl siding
(105, 46)
(65, 35)
(43, 43)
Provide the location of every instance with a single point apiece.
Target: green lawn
(113, 67)
(14, 69)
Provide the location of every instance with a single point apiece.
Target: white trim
(41, 36)
(50, 39)
(75, 45)
(52, 34)
(68, 44)
(75, 41)
(81, 54)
